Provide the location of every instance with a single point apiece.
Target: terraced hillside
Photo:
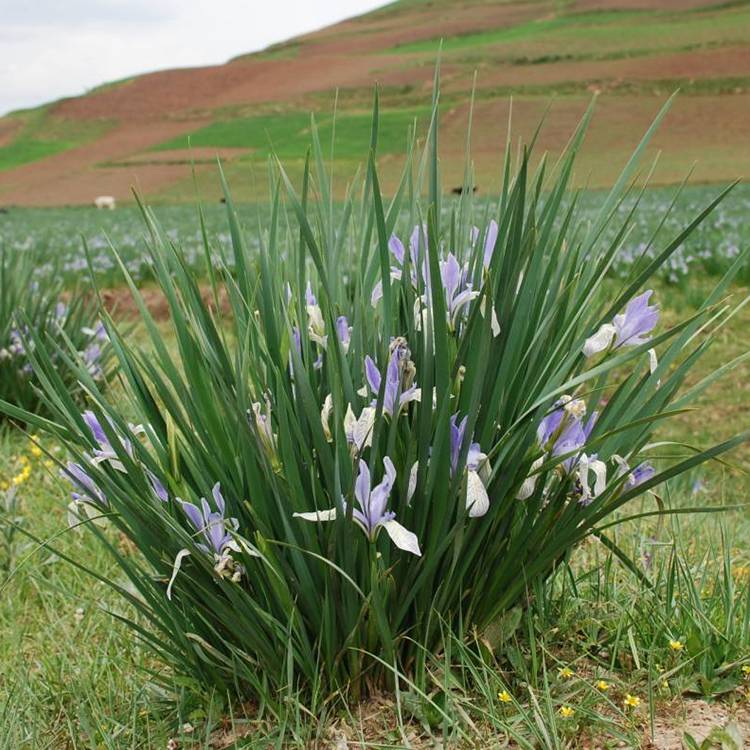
(543, 54)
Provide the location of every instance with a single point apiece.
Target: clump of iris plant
(381, 439)
(33, 311)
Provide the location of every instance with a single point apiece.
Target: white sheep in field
(105, 201)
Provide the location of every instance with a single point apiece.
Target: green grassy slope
(40, 134)
(540, 53)
(287, 134)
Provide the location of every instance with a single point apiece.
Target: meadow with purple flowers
(56, 233)
(402, 449)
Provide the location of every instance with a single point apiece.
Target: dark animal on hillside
(461, 190)
(3, 210)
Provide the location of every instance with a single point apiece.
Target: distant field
(57, 234)
(602, 35)
(542, 55)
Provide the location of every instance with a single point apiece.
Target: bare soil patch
(375, 723)
(120, 303)
(693, 65)
(9, 127)
(699, 719)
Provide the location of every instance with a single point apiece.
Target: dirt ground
(698, 719)
(374, 724)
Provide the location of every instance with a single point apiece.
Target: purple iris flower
(458, 292)
(371, 514)
(489, 242)
(565, 429)
(642, 473)
(106, 451)
(297, 339)
(629, 328)
(397, 391)
(474, 456)
(638, 320)
(478, 470)
(214, 527)
(16, 347)
(105, 446)
(573, 438)
(92, 422)
(84, 487)
(101, 332)
(417, 252)
(310, 298)
(551, 423)
(397, 249)
(91, 356)
(157, 486)
(98, 331)
(344, 332)
(372, 500)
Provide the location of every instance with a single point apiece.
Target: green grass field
(73, 677)
(603, 654)
(41, 135)
(287, 134)
(599, 35)
(56, 234)
(636, 636)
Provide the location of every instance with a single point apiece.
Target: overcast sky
(55, 48)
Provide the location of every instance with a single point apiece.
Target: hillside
(542, 53)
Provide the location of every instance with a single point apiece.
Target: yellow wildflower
(565, 672)
(35, 451)
(602, 685)
(566, 712)
(631, 701)
(24, 459)
(746, 670)
(504, 696)
(676, 645)
(3, 485)
(21, 477)
(49, 464)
